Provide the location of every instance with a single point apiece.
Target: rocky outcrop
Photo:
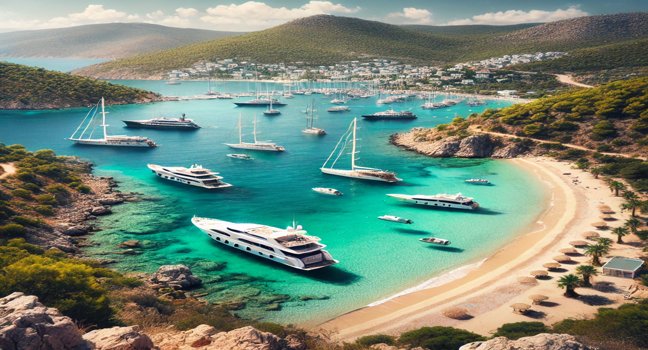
(176, 276)
(205, 337)
(542, 341)
(26, 324)
(119, 338)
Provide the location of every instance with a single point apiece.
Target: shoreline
(487, 290)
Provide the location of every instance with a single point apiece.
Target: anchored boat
(395, 219)
(256, 145)
(449, 201)
(435, 240)
(329, 191)
(195, 175)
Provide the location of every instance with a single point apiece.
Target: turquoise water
(54, 63)
(377, 258)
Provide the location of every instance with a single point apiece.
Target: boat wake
(434, 282)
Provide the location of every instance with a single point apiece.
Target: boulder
(77, 230)
(119, 338)
(111, 200)
(98, 211)
(131, 243)
(176, 276)
(543, 341)
(26, 324)
(206, 337)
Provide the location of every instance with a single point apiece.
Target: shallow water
(377, 258)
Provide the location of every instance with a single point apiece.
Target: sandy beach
(489, 288)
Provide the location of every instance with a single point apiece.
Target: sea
(378, 259)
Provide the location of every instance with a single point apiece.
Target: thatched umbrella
(607, 217)
(569, 251)
(520, 308)
(578, 244)
(551, 266)
(592, 235)
(539, 274)
(527, 280)
(562, 259)
(600, 224)
(537, 299)
(456, 313)
(605, 209)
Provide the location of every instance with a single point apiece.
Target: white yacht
(395, 219)
(337, 109)
(310, 123)
(326, 190)
(478, 181)
(435, 240)
(241, 156)
(256, 145)
(356, 172)
(83, 135)
(450, 201)
(195, 175)
(291, 246)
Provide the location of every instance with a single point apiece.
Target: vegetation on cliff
(23, 87)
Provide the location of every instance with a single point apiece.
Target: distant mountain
(325, 39)
(110, 40)
(24, 87)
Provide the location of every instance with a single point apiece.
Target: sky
(241, 15)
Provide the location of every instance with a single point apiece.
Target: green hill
(473, 29)
(23, 87)
(107, 40)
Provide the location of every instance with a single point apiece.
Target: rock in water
(26, 324)
(176, 276)
(98, 211)
(541, 341)
(119, 338)
(131, 243)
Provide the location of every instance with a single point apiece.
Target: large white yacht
(256, 145)
(195, 175)
(291, 246)
(451, 201)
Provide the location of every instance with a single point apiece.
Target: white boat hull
(355, 175)
(434, 203)
(110, 143)
(167, 175)
(256, 147)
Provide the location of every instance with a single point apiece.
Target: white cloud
(253, 15)
(91, 14)
(411, 15)
(186, 12)
(519, 16)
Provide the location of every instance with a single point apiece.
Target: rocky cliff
(542, 341)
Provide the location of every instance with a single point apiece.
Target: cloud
(411, 15)
(519, 16)
(91, 14)
(253, 15)
(186, 12)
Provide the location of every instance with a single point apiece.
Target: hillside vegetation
(325, 39)
(108, 40)
(23, 87)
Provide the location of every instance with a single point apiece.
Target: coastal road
(569, 80)
(8, 169)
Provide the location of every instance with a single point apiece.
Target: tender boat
(390, 115)
(256, 145)
(181, 123)
(329, 191)
(291, 246)
(478, 181)
(395, 219)
(242, 156)
(195, 175)
(338, 109)
(435, 240)
(450, 201)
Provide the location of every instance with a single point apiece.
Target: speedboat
(329, 191)
(242, 156)
(291, 246)
(395, 219)
(478, 181)
(195, 175)
(337, 109)
(435, 240)
(450, 201)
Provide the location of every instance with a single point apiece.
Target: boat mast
(103, 118)
(240, 129)
(255, 139)
(353, 148)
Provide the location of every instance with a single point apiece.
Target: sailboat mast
(353, 149)
(255, 138)
(103, 118)
(240, 129)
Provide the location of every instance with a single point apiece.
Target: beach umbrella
(591, 235)
(607, 217)
(527, 280)
(551, 265)
(578, 244)
(537, 299)
(605, 209)
(520, 308)
(562, 259)
(569, 251)
(539, 273)
(456, 313)
(600, 224)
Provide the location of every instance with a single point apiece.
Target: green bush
(84, 188)
(32, 187)
(521, 329)
(27, 221)
(370, 340)
(43, 209)
(46, 199)
(60, 192)
(21, 193)
(438, 338)
(12, 230)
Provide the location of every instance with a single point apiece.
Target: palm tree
(569, 283)
(596, 171)
(620, 232)
(605, 241)
(632, 224)
(630, 195)
(586, 272)
(596, 251)
(616, 186)
(632, 204)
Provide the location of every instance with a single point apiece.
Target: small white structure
(620, 266)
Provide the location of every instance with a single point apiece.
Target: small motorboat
(478, 181)
(329, 191)
(434, 240)
(242, 156)
(395, 219)
(336, 109)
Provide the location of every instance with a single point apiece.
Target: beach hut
(537, 299)
(521, 308)
(539, 274)
(551, 266)
(591, 235)
(600, 225)
(620, 266)
(569, 251)
(530, 281)
(578, 244)
(457, 313)
(563, 259)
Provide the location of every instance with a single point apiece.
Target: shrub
(21, 193)
(84, 188)
(438, 338)
(46, 199)
(46, 210)
(521, 329)
(29, 186)
(60, 192)
(272, 327)
(27, 221)
(12, 230)
(370, 340)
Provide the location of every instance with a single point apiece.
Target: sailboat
(210, 92)
(256, 145)
(271, 111)
(357, 172)
(79, 136)
(310, 120)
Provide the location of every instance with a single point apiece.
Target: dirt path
(8, 169)
(569, 80)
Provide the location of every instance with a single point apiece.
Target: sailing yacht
(356, 172)
(78, 136)
(256, 145)
(310, 120)
(271, 111)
